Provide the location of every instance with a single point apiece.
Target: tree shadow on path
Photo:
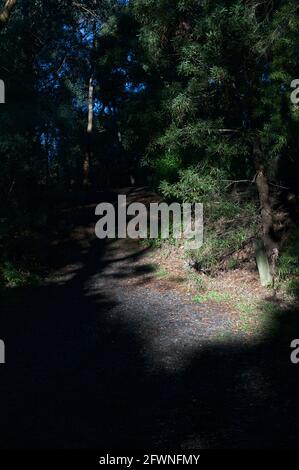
(77, 377)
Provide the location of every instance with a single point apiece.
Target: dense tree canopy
(113, 92)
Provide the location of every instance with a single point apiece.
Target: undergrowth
(231, 217)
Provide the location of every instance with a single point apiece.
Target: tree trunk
(270, 243)
(86, 165)
(263, 263)
(6, 12)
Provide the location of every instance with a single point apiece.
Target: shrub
(288, 263)
(167, 167)
(229, 220)
(196, 184)
(12, 275)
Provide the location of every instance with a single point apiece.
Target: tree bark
(270, 243)
(6, 11)
(86, 164)
(268, 238)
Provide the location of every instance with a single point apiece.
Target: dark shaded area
(76, 378)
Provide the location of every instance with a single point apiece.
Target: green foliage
(229, 222)
(14, 276)
(220, 247)
(167, 167)
(196, 184)
(288, 263)
(182, 91)
(292, 288)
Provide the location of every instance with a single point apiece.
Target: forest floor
(115, 350)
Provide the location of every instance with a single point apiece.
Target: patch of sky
(134, 88)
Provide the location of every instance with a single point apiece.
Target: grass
(197, 281)
(160, 272)
(250, 319)
(245, 308)
(212, 296)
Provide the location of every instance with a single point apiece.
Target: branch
(6, 11)
(278, 186)
(84, 8)
(224, 131)
(231, 182)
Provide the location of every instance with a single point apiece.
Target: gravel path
(170, 325)
(101, 357)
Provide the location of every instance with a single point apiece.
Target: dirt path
(101, 357)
